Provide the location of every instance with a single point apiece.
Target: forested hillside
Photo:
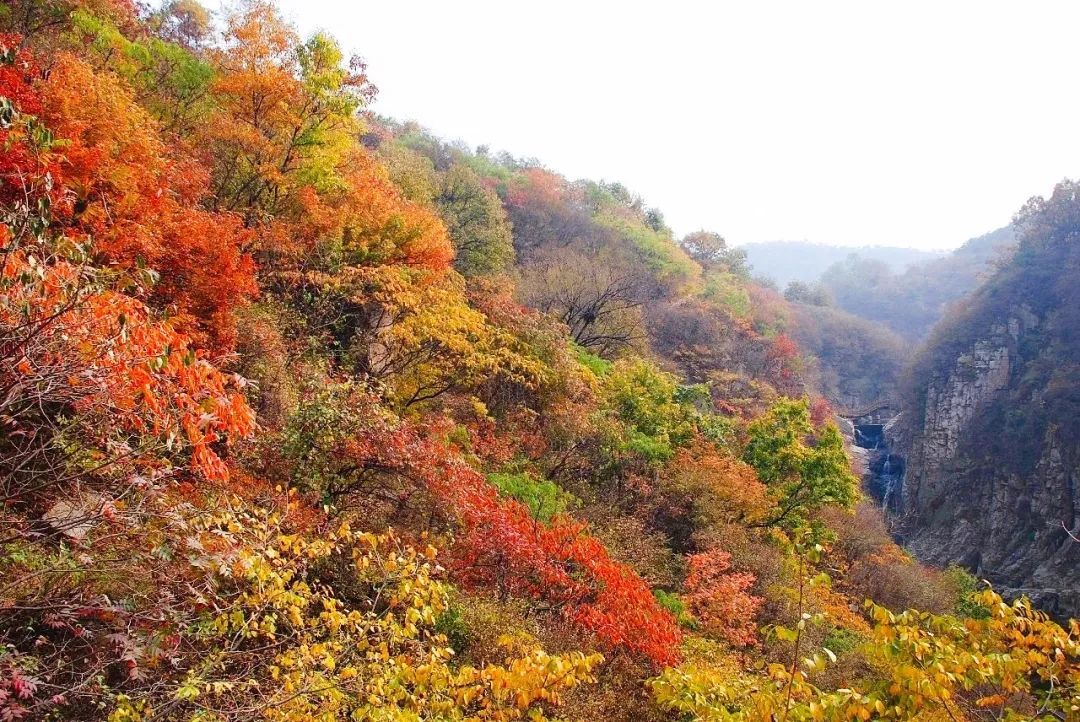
(992, 407)
(306, 414)
(912, 301)
(854, 362)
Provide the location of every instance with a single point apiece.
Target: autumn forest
(309, 414)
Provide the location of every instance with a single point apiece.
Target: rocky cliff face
(971, 494)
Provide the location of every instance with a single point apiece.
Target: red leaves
(28, 172)
(203, 272)
(616, 603)
(720, 599)
(24, 687)
(505, 548)
(15, 74)
(784, 355)
(74, 338)
(501, 547)
(821, 413)
(16, 688)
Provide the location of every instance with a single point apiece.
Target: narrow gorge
(981, 468)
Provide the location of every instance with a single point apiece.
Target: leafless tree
(598, 296)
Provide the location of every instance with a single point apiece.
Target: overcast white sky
(907, 123)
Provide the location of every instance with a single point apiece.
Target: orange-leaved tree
(86, 362)
(128, 192)
(720, 598)
(286, 113)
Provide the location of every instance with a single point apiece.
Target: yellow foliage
(1015, 664)
(341, 627)
(439, 342)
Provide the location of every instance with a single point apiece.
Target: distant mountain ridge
(787, 261)
(912, 300)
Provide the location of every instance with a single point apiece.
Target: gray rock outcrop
(1008, 523)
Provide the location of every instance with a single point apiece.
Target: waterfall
(885, 470)
(888, 482)
(892, 477)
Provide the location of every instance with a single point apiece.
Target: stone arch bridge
(868, 422)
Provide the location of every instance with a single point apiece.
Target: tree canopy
(308, 414)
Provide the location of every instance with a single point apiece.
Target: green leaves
(543, 498)
(477, 223)
(805, 468)
(660, 415)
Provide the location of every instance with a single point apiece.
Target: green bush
(673, 603)
(840, 640)
(966, 585)
(599, 366)
(451, 624)
(544, 498)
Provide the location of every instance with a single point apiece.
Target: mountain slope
(308, 417)
(992, 412)
(911, 301)
(852, 361)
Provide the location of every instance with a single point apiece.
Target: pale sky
(902, 123)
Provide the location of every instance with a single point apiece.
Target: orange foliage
(538, 186)
(126, 373)
(139, 204)
(283, 107)
(720, 599)
(375, 223)
(840, 609)
(723, 489)
(69, 337)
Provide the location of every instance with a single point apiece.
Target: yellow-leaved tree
(339, 626)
